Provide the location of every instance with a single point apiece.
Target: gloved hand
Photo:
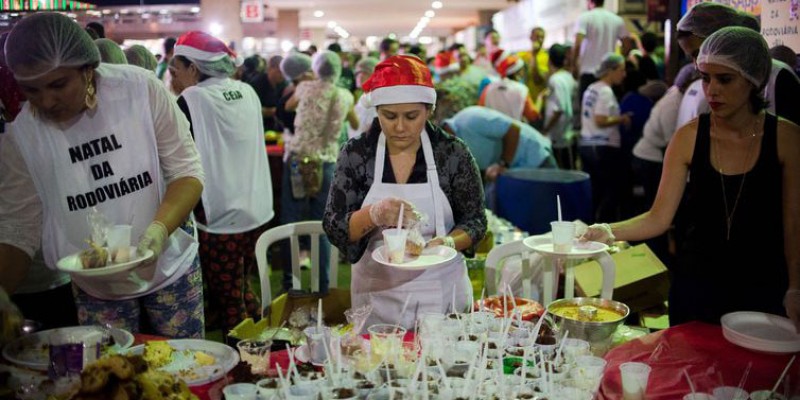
(446, 240)
(792, 303)
(153, 239)
(10, 318)
(599, 233)
(385, 212)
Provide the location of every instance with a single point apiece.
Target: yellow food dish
(157, 353)
(587, 313)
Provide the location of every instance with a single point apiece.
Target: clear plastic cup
(316, 343)
(268, 389)
(699, 396)
(256, 353)
(395, 242)
(730, 393)
(563, 236)
(634, 380)
(119, 243)
(386, 339)
(765, 395)
(240, 391)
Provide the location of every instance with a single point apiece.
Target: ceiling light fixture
(436, 5)
(319, 13)
(195, 10)
(331, 24)
(429, 13)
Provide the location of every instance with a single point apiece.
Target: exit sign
(252, 11)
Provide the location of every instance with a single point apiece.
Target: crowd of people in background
(602, 103)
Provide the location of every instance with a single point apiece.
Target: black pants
(605, 166)
(566, 157)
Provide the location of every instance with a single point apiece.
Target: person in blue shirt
(499, 142)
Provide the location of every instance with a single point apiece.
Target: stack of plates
(761, 332)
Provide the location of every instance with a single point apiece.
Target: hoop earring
(91, 94)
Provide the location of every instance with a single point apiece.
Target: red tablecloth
(707, 356)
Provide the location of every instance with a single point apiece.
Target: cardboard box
(641, 280)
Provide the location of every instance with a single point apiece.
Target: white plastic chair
(496, 260)
(293, 232)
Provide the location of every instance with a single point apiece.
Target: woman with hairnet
(600, 141)
(739, 251)
(110, 52)
(296, 68)
(98, 142)
(700, 22)
(225, 119)
(139, 56)
(322, 108)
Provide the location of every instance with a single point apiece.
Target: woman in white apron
(107, 138)
(406, 160)
(225, 116)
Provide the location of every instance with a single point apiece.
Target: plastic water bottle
(298, 189)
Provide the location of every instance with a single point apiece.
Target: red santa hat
(399, 79)
(446, 63)
(200, 46)
(506, 63)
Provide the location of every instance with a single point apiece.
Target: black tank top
(748, 270)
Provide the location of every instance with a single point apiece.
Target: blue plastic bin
(527, 197)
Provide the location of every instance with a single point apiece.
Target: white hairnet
(295, 64)
(110, 52)
(43, 42)
(706, 18)
(139, 55)
(741, 49)
(327, 65)
(610, 61)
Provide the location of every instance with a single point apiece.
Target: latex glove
(792, 303)
(153, 239)
(10, 318)
(599, 233)
(494, 171)
(442, 241)
(386, 211)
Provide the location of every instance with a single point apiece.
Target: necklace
(729, 214)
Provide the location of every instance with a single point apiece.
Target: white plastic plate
(430, 258)
(579, 248)
(33, 351)
(183, 365)
(761, 331)
(72, 265)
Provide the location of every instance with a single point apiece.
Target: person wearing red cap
(405, 160)
(508, 95)
(97, 145)
(225, 118)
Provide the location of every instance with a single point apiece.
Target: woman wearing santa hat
(99, 139)
(508, 95)
(225, 118)
(405, 160)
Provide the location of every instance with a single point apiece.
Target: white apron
(229, 133)
(508, 97)
(386, 288)
(107, 159)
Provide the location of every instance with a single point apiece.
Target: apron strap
(380, 159)
(433, 181)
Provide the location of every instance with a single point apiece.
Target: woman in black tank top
(733, 179)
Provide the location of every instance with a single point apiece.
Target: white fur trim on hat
(399, 94)
(201, 55)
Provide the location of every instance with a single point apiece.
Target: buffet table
(707, 356)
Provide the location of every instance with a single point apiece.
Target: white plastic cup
(316, 345)
(119, 243)
(256, 353)
(699, 396)
(240, 391)
(634, 380)
(395, 241)
(730, 393)
(765, 395)
(563, 236)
